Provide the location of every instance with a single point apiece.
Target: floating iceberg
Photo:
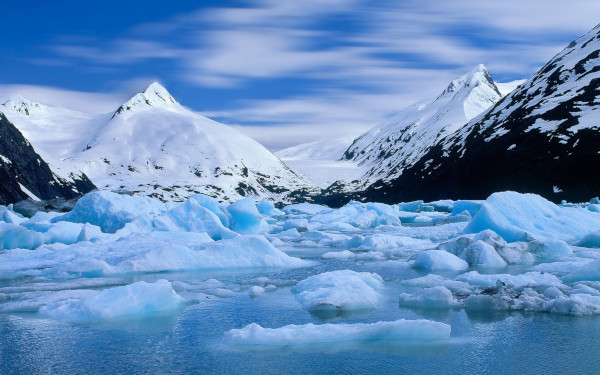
(414, 206)
(472, 207)
(152, 252)
(435, 260)
(190, 216)
(311, 334)
(437, 297)
(523, 217)
(111, 211)
(514, 252)
(481, 254)
(139, 299)
(343, 290)
(245, 218)
(267, 208)
(550, 249)
(590, 240)
(31, 235)
(589, 271)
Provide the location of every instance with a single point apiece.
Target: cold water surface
(190, 341)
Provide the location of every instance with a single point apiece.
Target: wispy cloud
(360, 60)
(88, 102)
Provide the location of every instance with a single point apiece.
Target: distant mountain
(320, 161)
(543, 138)
(154, 146)
(329, 149)
(24, 174)
(508, 87)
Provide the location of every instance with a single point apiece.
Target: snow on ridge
(155, 95)
(402, 140)
(23, 106)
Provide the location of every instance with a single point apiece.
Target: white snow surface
(507, 87)
(321, 162)
(544, 93)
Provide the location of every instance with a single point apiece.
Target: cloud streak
(357, 61)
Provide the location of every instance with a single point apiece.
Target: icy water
(117, 301)
(190, 341)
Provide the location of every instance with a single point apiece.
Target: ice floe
(311, 334)
(523, 217)
(134, 300)
(342, 290)
(435, 260)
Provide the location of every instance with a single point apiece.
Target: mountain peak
(159, 93)
(155, 95)
(22, 105)
(478, 76)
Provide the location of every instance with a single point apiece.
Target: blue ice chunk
(267, 208)
(523, 217)
(245, 218)
(111, 211)
(414, 206)
(472, 207)
(192, 217)
(213, 206)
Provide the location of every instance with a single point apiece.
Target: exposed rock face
(24, 174)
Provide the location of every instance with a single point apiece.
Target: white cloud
(387, 54)
(89, 102)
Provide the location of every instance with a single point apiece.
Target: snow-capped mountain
(390, 147)
(155, 146)
(24, 174)
(542, 138)
(320, 161)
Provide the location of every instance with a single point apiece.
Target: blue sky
(283, 71)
